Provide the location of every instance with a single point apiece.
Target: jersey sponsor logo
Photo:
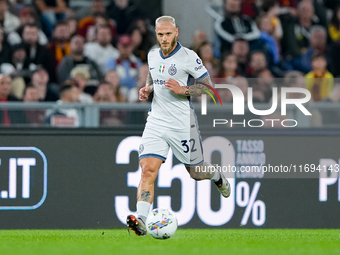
(161, 68)
(159, 82)
(198, 67)
(198, 61)
(151, 68)
(172, 70)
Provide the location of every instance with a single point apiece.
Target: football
(161, 223)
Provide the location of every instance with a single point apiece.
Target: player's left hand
(173, 86)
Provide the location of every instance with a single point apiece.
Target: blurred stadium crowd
(48, 53)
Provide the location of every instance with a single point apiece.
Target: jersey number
(185, 144)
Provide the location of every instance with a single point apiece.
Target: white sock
(143, 209)
(216, 176)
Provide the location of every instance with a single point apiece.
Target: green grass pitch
(185, 241)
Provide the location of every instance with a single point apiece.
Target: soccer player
(172, 121)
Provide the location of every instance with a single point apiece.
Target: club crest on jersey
(172, 70)
(161, 68)
(141, 148)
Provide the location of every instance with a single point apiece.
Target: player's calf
(150, 167)
(145, 192)
(213, 173)
(205, 171)
(201, 172)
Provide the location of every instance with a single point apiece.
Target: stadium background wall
(77, 179)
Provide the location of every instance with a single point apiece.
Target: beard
(61, 40)
(77, 52)
(234, 13)
(166, 51)
(30, 43)
(103, 43)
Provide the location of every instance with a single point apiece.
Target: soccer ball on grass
(161, 223)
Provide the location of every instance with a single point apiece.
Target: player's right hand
(144, 93)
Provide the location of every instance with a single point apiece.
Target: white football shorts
(186, 146)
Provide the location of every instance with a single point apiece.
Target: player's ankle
(143, 209)
(216, 177)
(143, 218)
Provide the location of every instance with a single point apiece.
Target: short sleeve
(194, 66)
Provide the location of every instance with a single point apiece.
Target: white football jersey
(169, 110)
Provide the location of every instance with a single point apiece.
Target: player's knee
(149, 171)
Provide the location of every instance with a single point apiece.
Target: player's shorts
(186, 146)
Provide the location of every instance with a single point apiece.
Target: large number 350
(168, 173)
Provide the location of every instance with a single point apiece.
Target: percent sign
(245, 199)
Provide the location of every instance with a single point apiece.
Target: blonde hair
(80, 72)
(165, 19)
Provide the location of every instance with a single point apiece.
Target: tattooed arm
(192, 90)
(145, 91)
(149, 81)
